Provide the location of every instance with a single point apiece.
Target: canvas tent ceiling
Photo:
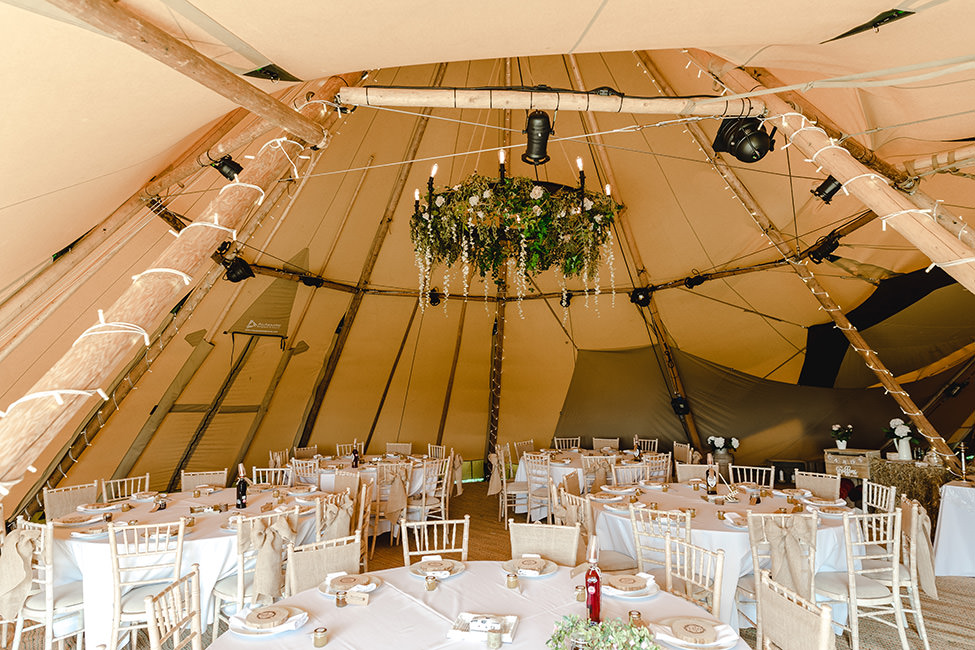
(92, 120)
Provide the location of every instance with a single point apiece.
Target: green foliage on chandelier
(515, 218)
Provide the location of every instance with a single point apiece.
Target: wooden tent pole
(119, 23)
(392, 374)
(92, 361)
(547, 100)
(331, 362)
(902, 181)
(211, 412)
(453, 372)
(797, 134)
(944, 162)
(629, 240)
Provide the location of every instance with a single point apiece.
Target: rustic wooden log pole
(943, 162)
(93, 361)
(810, 140)
(462, 98)
(629, 241)
(119, 23)
(904, 181)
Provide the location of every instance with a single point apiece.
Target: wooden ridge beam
(119, 23)
(547, 100)
(331, 362)
(812, 141)
(676, 384)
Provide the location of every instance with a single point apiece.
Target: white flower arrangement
(840, 432)
(719, 442)
(537, 192)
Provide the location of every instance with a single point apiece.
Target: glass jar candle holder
(341, 598)
(431, 583)
(511, 581)
(581, 594)
(319, 637)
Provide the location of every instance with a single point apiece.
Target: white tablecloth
(401, 614)
(326, 475)
(558, 471)
(206, 544)
(954, 541)
(707, 531)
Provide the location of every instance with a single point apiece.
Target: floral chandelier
(513, 227)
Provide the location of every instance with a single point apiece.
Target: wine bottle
(593, 582)
(711, 476)
(355, 456)
(241, 488)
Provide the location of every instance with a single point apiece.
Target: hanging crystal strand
(446, 288)
(565, 295)
(419, 279)
(522, 283)
(595, 297)
(465, 238)
(610, 256)
(486, 277)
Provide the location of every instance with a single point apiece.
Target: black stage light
(745, 138)
(227, 167)
(827, 189)
(238, 270)
(680, 405)
(538, 128)
(640, 296)
(434, 298)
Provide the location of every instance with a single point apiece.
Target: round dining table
(401, 613)
(615, 533)
(210, 543)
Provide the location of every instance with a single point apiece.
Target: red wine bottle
(593, 582)
(241, 488)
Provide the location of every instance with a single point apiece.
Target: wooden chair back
(566, 443)
(436, 451)
(686, 472)
(826, 486)
(658, 467)
(651, 528)
(62, 501)
(592, 464)
(305, 453)
(278, 458)
(273, 475)
(174, 614)
(682, 453)
(764, 477)
(602, 443)
(648, 445)
(309, 564)
(447, 537)
(878, 498)
(405, 448)
(522, 447)
(345, 449)
(122, 488)
(766, 529)
(305, 470)
(791, 622)
(559, 544)
(698, 572)
(189, 481)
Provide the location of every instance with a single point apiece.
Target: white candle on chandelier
(579, 162)
(433, 172)
(416, 194)
(608, 192)
(501, 156)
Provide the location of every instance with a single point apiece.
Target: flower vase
(904, 449)
(841, 444)
(723, 458)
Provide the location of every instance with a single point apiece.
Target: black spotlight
(827, 189)
(238, 270)
(745, 138)
(680, 406)
(823, 247)
(640, 297)
(434, 298)
(538, 128)
(694, 281)
(566, 299)
(227, 167)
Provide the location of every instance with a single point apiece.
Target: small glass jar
(664, 487)
(578, 641)
(107, 516)
(431, 583)
(511, 581)
(653, 505)
(319, 637)
(581, 593)
(190, 522)
(696, 486)
(276, 493)
(720, 514)
(494, 639)
(340, 598)
(126, 507)
(634, 499)
(636, 619)
(196, 494)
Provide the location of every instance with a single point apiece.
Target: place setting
(638, 586)
(436, 567)
(267, 621)
(533, 566)
(693, 633)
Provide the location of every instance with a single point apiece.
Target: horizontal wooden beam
(119, 23)
(549, 100)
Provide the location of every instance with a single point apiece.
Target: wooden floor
(950, 620)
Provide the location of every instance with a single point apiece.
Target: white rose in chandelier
(536, 210)
(487, 193)
(439, 202)
(537, 192)
(896, 422)
(586, 204)
(473, 201)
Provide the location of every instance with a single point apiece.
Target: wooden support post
(905, 182)
(211, 412)
(272, 386)
(464, 98)
(392, 373)
(629, 241)
(815, 142)
(321, 387)
(453, 372)
(93, 361)
(119, 23)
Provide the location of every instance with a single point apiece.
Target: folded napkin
(613, 591)
(426, 566)
(529, 565)
(724, 635)
(735, 519)
(495, 485)
(239, 622)
(365, 588)
(15, 571)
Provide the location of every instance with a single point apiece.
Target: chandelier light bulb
(579, 162)
(433, 172)
(416, 194)
(608, 190)
(501, 156)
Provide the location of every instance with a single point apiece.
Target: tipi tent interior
(769, 313)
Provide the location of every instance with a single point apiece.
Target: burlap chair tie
(789, 565)
(15, 571)
(269, 541)
(495, 485)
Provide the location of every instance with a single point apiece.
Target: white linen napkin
(651, 584)
(239, 622)
(338, 574)
(664, 633)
